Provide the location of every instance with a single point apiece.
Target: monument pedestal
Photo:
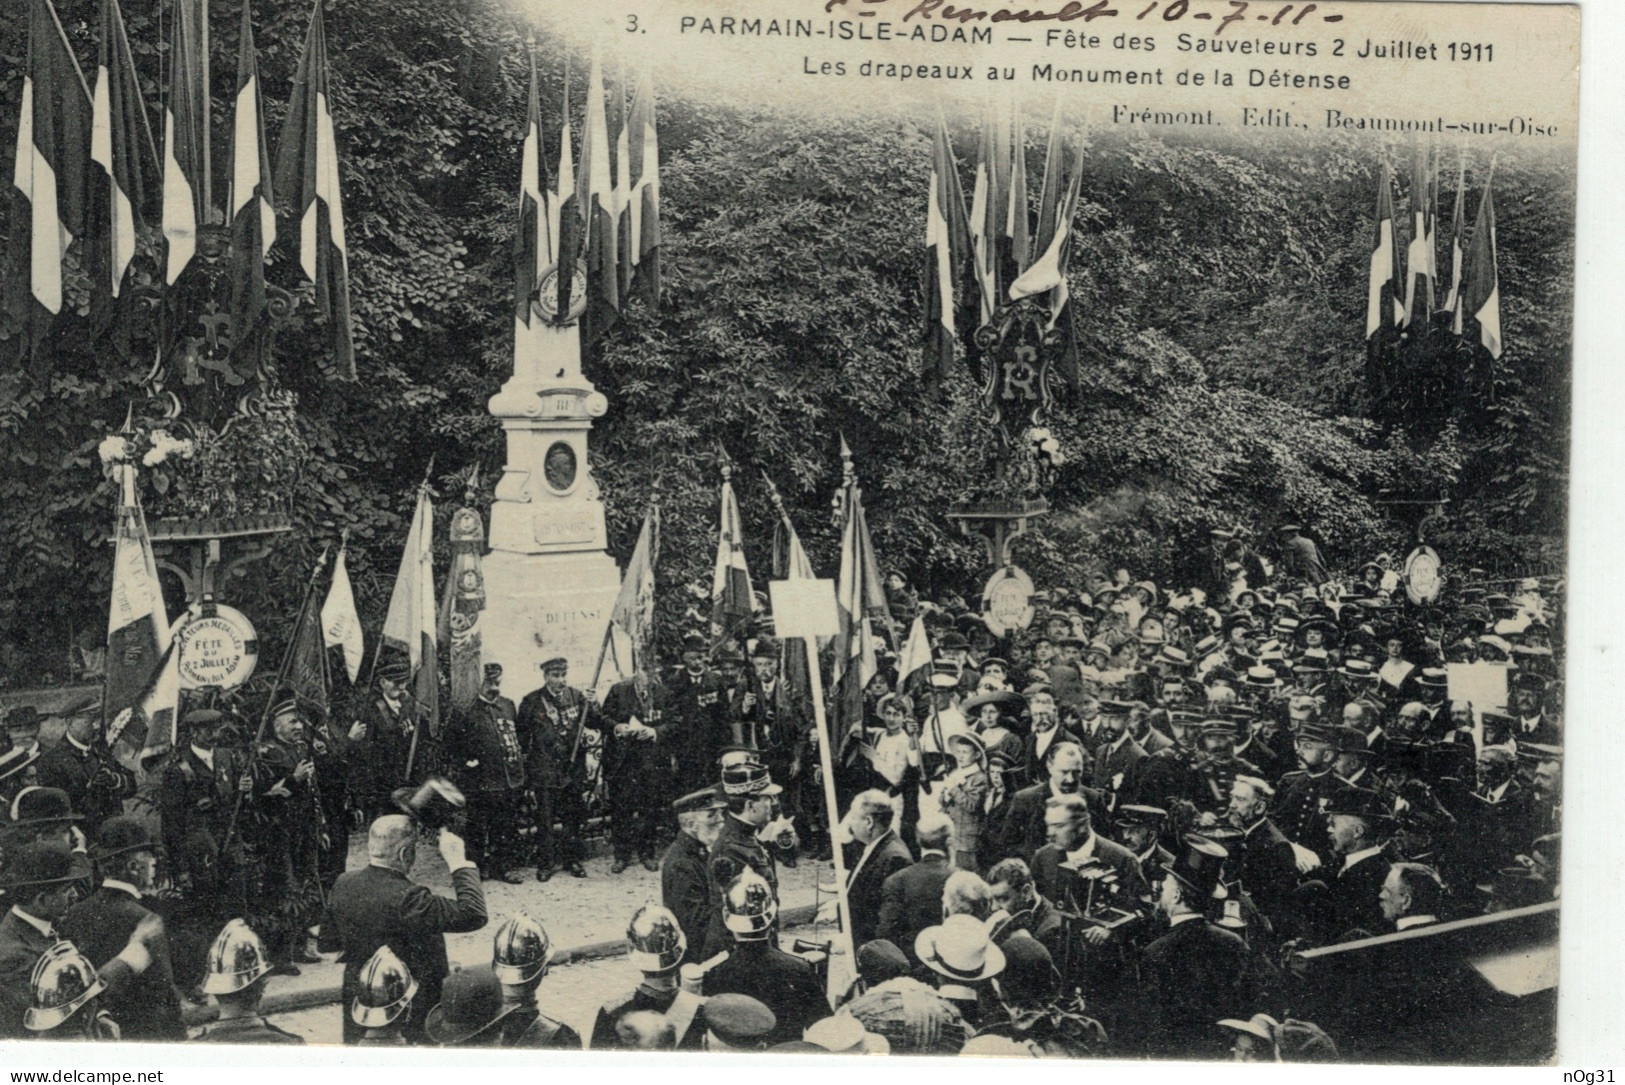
(550, 583)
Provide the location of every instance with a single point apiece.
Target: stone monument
(549, 580)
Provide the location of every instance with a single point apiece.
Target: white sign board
(220, 650)
(804, 608)
(1483, 685)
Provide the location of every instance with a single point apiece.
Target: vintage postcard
(873, 527)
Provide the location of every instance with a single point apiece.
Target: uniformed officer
(552, 722)
(197, 792)
(80, 765)
(637, 759)
(387, 727)
(749, 792)
(383, 1000)
(684, 882)
(1303, 795)
(655, 946)
(486, 755)
(520, 955)
(754, 966)
(237, 970)
(285, 834)
(700, 711)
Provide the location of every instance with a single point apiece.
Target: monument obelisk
(549, 580)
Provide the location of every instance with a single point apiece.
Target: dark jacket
(1113, 769)
(685, 889)
(247, 1030)
(684, 1010)
(375, 906)
(194, 805)
(1269, 871)
(548, 727)
(627, 756)
(484, 749)
(911, 900)
(96, 785)
(783, 982)
(100, 926)
(735, 849)
(866, 880)
(1053, 883)
(1023, 832)
(1193, 978)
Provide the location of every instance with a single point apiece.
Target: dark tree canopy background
(1219, 293)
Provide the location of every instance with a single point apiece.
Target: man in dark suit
(755, 967)
(699, 716)
(1117, 758)
(1073, 843)
(100, 926)
(96, 784)
(1021, 908)
(379, 905)
(1046, 728)
(42, 882)
(911, 898)
(751, 796)
(876, 854)
(1194, 975)
(637, 758)
(1023, 830)
(488, 760)
(550, 722)
(1268, 865)
(197, 792)
(1360, 824)
(684, 883)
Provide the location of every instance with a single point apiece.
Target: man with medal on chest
(551, 721)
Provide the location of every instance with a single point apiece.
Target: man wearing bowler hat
(101, 926)
(552, 722)
(379, 905)
(42, 881)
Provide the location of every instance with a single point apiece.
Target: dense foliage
(1219, 302)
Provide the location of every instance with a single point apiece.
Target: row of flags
(612, 224)
(87, 169)
(1408, 302)
(993, 252)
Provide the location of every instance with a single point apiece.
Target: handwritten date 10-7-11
(1171, 11)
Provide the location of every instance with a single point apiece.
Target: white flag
(341, 625)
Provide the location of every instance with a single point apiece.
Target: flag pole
(270, 700)
(831, 811)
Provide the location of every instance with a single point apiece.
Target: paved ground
(576, 912)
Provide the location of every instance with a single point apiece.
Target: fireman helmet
(385, 991)
(654, 939)
(63, 981)
(748, 908)
(521, 950)
(236, 960)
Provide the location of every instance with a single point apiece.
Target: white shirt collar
(1355, 857)
(1405, 922)
(205, 756)
(1184, 917)
(1496, 795)
(80, 746)
(36, 922)
(114, 883)
(1085, 852)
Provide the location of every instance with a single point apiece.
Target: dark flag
(565, 212)
(644, 147)
(184, 127)
(1458, 228)
(1481, 289)
(121, 144)
(252, 210)
(987, 214)
(947, 255)
(625, 243)
(307, 664)
(598, 214)
(1383, 309)
(307, 168)
(1420, 258)
(49, 205)
(1016, 226)
(860, 599)
(533, 244)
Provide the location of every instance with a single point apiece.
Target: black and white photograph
(858, 527)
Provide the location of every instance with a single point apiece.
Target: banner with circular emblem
(218, 649)
(1422, 579)
(1007, 600)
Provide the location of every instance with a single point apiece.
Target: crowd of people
(1105, 832)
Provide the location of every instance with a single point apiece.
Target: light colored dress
(962, 795)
